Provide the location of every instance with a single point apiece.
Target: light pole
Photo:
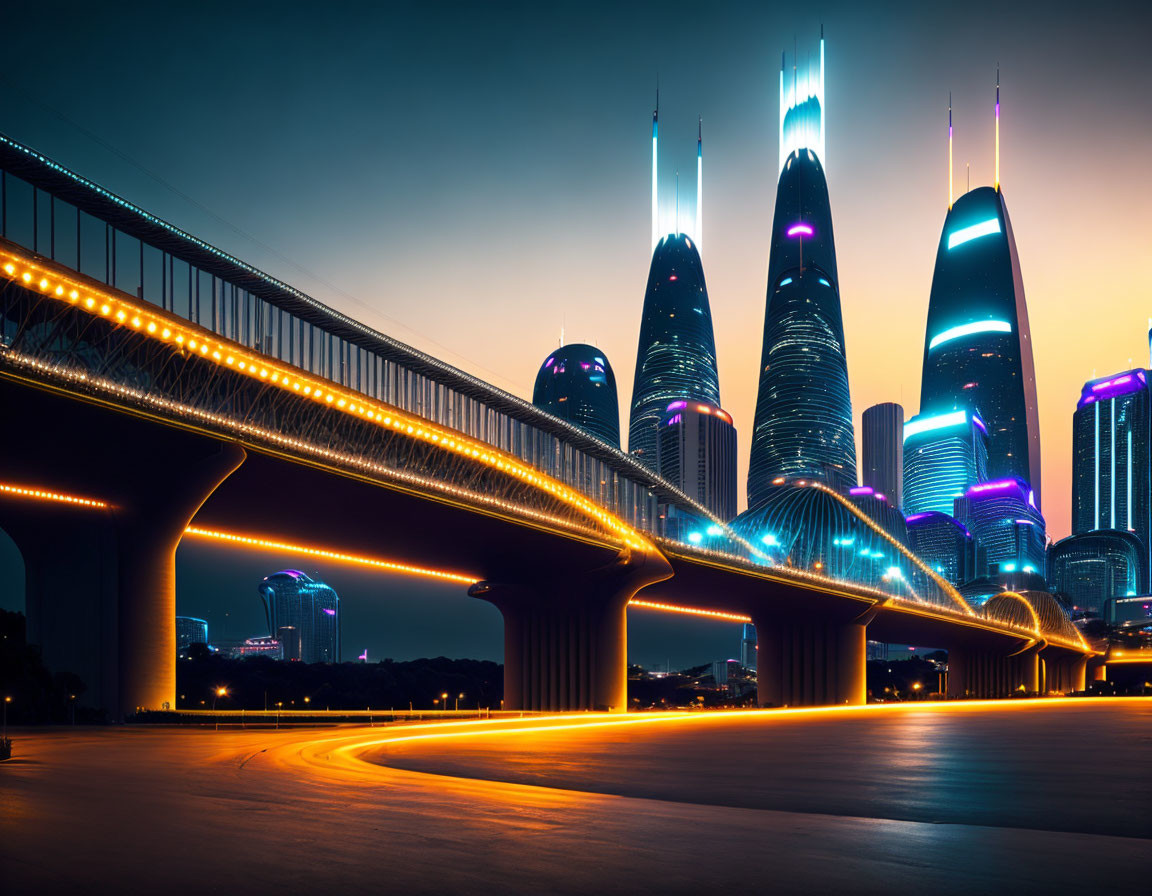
(7, 700)
(444, 697)
(459, 697)
(217, 692)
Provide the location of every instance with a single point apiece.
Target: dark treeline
(38, 695)
(260, 682)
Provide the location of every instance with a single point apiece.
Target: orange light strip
(42, 495)
(691, 611)
(186, 337)
(252, 541)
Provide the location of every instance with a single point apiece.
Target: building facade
(944, 454)
(1094, 567)
(293, 599)
(944, 544)
(748, 646)
(1008, 528)
(1112, 460)
(882, 440)
(189, 631)
(803, 424)
(978, 346)
(696, 452)
(576, 383)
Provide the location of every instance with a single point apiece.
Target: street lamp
(217, 692)
(444, 697)
(459, 697)
(7, 700)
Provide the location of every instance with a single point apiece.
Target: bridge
(155, 387)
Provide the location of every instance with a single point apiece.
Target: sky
(471, 179)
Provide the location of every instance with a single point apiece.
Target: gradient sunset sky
(471, 179)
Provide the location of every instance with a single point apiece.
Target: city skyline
(754, 158)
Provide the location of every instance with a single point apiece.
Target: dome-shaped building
(576, 383)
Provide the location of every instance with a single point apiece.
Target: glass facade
(944, 544)
(1112, 460)
(576, 383)
(1093, 567)
(676, 355)
(944, 454)
(696, 452)
(1007, 526)
(882, 438)
(292, 599)
(189, 631)
(803, 423)
(978, 346)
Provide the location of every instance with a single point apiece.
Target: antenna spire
(699, 180)
(950, 194)
(677, 200)
(655, 205)
(997, 127)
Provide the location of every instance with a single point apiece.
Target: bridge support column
(566, 640)
(811, 663)
(101, 583)
(1025, 671)
(959, 665)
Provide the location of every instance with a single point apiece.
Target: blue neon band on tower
(979, 326)
(966, 234)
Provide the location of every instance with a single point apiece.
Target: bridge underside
(101, 582)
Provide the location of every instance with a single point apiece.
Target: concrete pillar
(959, 663)
(1079, 675)
(811, 663)
(100, 584)
(566, 639)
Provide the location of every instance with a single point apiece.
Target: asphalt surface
(964, 799)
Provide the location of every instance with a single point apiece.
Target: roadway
(1012, 797)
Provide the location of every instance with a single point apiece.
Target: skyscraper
(803, 423)
(944, 454)
(977, 346)
(1008, 527)
(944, 544)
(748, 646)
(576, 383)
(676, 354)
(1093, 567)
(696, 452)
(1112, 460)
(189, 631)
(882, 435)
(292, 599)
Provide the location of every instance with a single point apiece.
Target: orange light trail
(42, 495)
(691, 611)
(252, 541)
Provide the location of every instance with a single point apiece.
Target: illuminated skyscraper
(882, 435)
(1092, 567)
(576, 383)
(748, 646)
(189, 631)
(944, 544)
(944, 454)
(676, 355)
(1112, 460)
(803, 424)
(696, 452)
(978, 347)
(312, 608)
(1009, 530)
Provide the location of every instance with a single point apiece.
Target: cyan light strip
(964, 234)
(978, 326)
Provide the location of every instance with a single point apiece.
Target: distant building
(696, 452)
(289, 638)
(1112, 460)
(1009, 530)
(944, 544)
(259, 646)
(189, 631)
(944, 454)
(877, 507)
(748, 646)
(312, 608)
(1129, 611)
(882, 434)
(576, 383)
(1094, 567)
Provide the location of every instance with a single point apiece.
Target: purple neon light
(881, 497)
(919, 516)
(800, 229)
(980, 423)
(676, 405)
(861, 490)
(1113, 387)
(548, 363)
(999, 485)
(674, 419)
(329, 612)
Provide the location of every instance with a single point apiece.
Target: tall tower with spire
(803, 424)
(676, 354)
(977, 344)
